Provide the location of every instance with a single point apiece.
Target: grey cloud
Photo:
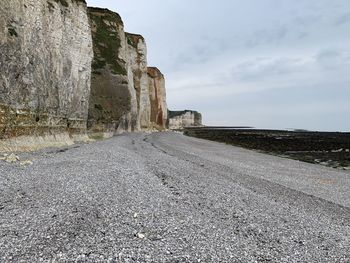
(343, 19)
(328, 54)
(203, 51)
(190, 57)
(302, 35)
(262, 68)
(267, 36)
(307, 20)
(333, 59)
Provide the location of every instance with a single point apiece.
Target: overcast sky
(261, 63)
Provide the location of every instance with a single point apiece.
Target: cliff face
(137, 62)
(180, 119)
(45, 67)
(113, 100)
(125, 94)
(66, 69)
(159, 109)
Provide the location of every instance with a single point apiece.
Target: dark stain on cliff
(110, 97)
(12, 32)
(107, 42)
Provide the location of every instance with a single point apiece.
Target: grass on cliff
(131, 41)
(107, 44)
(63, 2)
(12, 32)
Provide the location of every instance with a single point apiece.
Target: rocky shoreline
(330, 149)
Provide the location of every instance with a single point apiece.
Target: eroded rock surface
(45, 67)
(113, 103)
(67, 71)
(157, 93)
(137, 61)
(126, 95)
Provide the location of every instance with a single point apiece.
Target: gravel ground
(164, 197)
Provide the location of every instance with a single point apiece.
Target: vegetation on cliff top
(173, 114)
(62, 2)
(106, 14)
(65, 3)
(133, 39)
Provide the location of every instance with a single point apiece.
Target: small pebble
(140, 236)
